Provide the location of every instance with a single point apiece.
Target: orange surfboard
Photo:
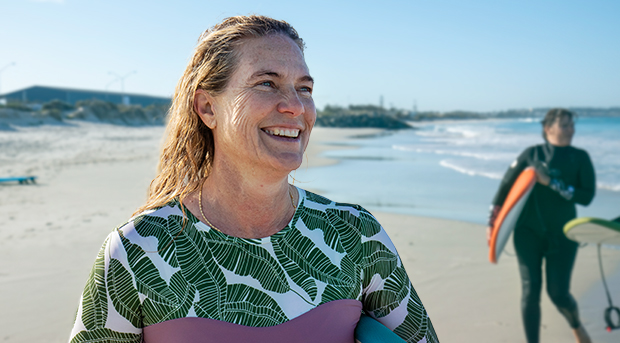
(509, 213)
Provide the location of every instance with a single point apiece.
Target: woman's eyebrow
(265, 72)
(276, 75)
(306, 78)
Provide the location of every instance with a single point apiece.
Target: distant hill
(45, 94)
(58, 112)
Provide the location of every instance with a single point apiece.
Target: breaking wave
(471, 172)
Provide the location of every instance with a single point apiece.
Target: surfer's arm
(389, 297)
(583, 191)
(586, 184)
(516, 167)
(103, 314)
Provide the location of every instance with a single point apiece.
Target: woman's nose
(291, 103)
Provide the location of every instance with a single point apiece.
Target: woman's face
(561, 132)
(265, 115)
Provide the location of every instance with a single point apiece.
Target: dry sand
(92, 178)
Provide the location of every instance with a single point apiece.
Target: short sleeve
(388, 294)
(585, 189)
(109, 307)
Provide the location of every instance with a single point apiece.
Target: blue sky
(443, 55)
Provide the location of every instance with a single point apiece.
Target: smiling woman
(225, 249)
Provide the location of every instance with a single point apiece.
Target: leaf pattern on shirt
(94, 298)
(105, 335)
(242, 259)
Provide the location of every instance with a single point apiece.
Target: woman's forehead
(276, 53)
(561, 120)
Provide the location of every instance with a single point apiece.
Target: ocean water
(452, 169)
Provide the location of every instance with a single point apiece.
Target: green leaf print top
(165, 264)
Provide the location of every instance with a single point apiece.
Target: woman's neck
(558, 142)
(246, 204)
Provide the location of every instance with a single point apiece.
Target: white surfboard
(593, 230)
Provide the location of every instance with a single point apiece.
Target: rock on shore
(362, 121)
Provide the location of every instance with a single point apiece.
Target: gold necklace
(213, 226)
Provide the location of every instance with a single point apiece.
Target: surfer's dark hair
(553, 115)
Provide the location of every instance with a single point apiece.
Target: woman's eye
(306, 89)
(267, 83)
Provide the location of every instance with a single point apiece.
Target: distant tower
(415, 107)
(381, 101)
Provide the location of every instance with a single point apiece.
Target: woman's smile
(282, 132)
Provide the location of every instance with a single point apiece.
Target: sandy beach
(91, 178)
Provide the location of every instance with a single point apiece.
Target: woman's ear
(203, 106)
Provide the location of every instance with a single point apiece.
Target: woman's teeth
(283, 132)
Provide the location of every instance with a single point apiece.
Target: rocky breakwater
(363, 121)
(361, 116)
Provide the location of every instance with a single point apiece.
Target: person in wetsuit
(565, 176)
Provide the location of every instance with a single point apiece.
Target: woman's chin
(289, 167)
(286, 163)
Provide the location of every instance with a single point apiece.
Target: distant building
(42, 94)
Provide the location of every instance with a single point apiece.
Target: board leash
(611, 309)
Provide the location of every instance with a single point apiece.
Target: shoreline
(323, 138)
(55, 228)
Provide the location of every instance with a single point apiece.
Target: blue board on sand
(20, 179)
(369, 330)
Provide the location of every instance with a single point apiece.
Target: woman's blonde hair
(187, 152)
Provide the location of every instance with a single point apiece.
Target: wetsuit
(539, 231)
